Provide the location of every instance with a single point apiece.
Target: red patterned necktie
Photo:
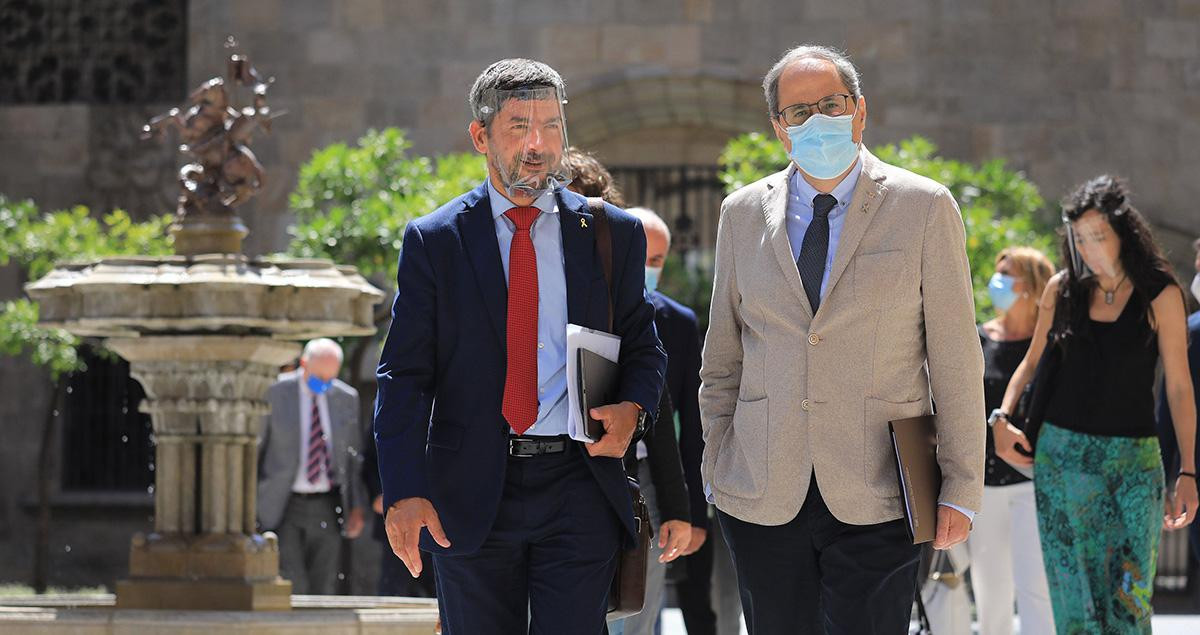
(520, 406)
(318, 454)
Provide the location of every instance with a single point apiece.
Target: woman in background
(1098, 476)
(1006, 555)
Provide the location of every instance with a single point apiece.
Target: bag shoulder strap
(604, 248)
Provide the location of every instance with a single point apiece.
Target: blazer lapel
(775, 210)
(579, 247)
(868, 194)
(478, 231)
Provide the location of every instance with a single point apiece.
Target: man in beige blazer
(842, 300)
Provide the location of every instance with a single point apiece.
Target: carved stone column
(206, 397)
(205, 336)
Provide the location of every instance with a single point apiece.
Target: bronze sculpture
(223, 172)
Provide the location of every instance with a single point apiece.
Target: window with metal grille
(687, 197)
(92, 51)
(107, 443)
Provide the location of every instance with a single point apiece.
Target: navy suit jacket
(439, 430)
(680, 334)
(1166, 425)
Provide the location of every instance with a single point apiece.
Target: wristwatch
(640, 430)
(996, 415)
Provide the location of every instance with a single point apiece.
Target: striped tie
(318, 455)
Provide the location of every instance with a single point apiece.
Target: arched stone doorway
(640, 119)
(660, 135)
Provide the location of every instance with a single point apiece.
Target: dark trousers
(695, 590)
(395, 580)
(310, 543)
(816, 574)
(548, 562)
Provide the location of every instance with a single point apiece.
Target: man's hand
(1006, 435)
(377, 505)
(698, 537)
(354, 523)
(952, 527)
(673, 538)
(1180, 505)
(620, 422)
(404, 521)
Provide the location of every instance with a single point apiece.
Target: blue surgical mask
(318, 385)
(1001, 289)
(823, 147)
(652, 276)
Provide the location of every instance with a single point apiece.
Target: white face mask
(1196, 287)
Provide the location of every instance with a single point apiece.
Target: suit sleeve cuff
(402, 472)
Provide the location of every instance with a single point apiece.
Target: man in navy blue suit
(471, 415)
(1166, 425)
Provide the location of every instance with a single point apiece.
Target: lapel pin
(583, 223)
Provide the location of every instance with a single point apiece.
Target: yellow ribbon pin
(583, 223)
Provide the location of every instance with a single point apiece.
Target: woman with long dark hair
(1098, 476)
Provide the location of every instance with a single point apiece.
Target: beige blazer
(785, 393)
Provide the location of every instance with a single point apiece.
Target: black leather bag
(627, 595)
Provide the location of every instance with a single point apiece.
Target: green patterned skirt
(1100, 509)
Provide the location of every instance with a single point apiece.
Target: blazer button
(814, 339)
(805, 405)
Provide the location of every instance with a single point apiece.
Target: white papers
(603, 344)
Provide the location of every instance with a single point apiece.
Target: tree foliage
(352, 203)
(36, 241)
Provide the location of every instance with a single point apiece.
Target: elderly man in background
(309, 466)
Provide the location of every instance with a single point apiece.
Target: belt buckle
(512, 448)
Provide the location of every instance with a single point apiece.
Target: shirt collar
(843, 192)
(501, 204)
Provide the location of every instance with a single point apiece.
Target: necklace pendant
(1109, 297)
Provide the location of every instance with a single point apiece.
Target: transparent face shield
(1093, 245)
(527, 139)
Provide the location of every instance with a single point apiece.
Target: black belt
(331, 492)
(524, 447)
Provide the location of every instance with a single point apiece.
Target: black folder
(598, 378)
(915, 444)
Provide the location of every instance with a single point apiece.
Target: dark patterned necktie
(815, 249)
(318, 452)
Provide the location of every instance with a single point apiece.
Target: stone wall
(1062, 89)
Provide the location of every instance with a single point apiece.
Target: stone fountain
(205, 331)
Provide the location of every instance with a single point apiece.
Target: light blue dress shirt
(552, 306)
(799, 215)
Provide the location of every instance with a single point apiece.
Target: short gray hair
(322, 347)
(845, 70)
(511, 74)
(650, 218)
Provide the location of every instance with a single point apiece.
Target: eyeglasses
(831, 106)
